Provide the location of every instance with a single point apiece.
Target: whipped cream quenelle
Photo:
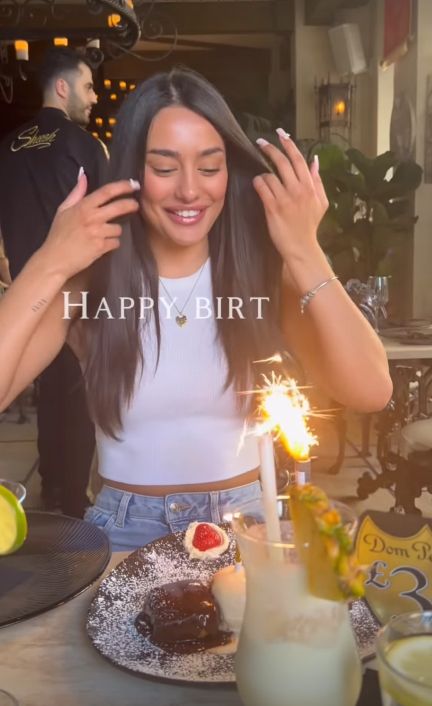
(205, 540)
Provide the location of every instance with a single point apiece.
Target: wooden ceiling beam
(227, 17)
(322, 12)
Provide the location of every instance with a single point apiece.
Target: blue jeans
(131, 520)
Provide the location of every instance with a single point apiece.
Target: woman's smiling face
(185, 177)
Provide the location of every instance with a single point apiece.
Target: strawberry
(206, 537)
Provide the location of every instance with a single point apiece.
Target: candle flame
(285, 410)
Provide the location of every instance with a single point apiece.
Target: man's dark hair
(60, 62)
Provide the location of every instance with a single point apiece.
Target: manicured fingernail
(282, 133)
(136, 186)
(262, 142)
(316, 162)
(80, 173)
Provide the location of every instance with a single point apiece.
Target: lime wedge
(324, 546)
(13, 522)
(412, 656)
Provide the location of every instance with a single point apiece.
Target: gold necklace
(181, 318)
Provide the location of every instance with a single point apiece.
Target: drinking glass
(380, 288)
(7, 699)
(16, 488)
(295, 649)
(404, 652)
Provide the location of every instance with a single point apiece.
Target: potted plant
(370, 214)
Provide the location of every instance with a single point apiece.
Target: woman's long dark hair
(244, 261)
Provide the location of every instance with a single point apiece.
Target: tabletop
(402, 351)
(49, 661)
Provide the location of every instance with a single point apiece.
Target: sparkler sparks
(276, 358)
(285, 410)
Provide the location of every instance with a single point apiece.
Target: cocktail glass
(404, 652)
(7, 699)
(295, 649)
(16, 488)
(380, 288)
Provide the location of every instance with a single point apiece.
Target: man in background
(39, 165)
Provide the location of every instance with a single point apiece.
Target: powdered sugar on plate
(120, 597)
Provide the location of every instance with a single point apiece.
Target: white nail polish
(262, 142)
(136, 186)
(282, 133)
(316, 161)
(80, 173)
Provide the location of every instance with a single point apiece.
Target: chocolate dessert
(182, 617)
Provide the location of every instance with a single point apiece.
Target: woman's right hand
(83, 229)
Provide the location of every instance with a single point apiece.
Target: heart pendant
(181, 320)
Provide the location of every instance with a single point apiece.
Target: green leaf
(380, 167)
(373, 170)
(354, 183)
(404, 222)
(330, 157)
(379, 213)
(344, 209)
(367, 212)
(360, 161)
(407, 177)
(385, 161)
(362, 230)
(330, 186)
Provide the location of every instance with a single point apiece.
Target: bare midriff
(162, 490)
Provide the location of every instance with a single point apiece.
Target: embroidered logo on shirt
(31, 138)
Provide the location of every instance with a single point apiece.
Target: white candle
(269, 489)
(302, 471)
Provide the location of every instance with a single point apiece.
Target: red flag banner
(397, 29)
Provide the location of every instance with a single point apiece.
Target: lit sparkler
(285, 410)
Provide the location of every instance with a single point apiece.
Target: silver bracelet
(306, 298)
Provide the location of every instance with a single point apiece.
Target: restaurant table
(50, 661)
(398, 353)
(396, 350)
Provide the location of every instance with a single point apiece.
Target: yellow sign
(399, 569)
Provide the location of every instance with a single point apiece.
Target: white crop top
(181, 426)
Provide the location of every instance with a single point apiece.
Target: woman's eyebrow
(176, 155)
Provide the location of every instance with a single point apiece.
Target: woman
(205, 275)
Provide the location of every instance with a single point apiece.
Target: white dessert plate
(121, 595)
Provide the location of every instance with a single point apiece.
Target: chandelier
(102, 26)
(31, 20)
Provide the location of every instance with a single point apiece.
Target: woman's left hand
(294, 199)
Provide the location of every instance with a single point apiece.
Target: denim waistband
(132, 520)
(174, 505)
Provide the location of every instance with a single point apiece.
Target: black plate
(120, 597)
(60, 558)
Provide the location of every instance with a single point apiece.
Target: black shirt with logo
(39, 164)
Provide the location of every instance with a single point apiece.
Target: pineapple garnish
(324, 546)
